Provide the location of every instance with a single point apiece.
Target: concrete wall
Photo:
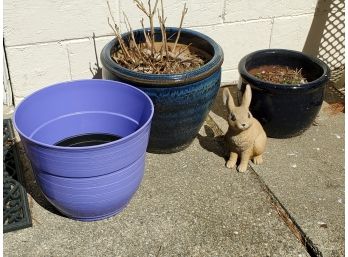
(49, 41)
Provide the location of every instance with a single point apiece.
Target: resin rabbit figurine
(245, 136)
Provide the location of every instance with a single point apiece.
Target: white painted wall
(49, 41)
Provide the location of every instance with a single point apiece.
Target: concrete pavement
(305, 174)
(189, 204)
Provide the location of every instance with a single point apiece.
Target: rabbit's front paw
(258, 159)
(242, 168)
(231, 163)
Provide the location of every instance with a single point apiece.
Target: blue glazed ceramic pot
(182, 101)
(285, 110)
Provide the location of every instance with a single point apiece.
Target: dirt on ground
(334, 108)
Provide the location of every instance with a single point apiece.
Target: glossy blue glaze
(182, 101)
(285, 110)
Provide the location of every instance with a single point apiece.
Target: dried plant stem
(150, 56)
(132, 34)
(164, 34)
(141, 7)
(147, 62)
(184, 11)
(182, 50)
(116, 30)
(120, 40)
(152, 13)
(147, 40)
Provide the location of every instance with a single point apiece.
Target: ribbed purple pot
(91, 182)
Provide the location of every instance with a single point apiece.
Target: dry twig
(145, 56)
(184, 11)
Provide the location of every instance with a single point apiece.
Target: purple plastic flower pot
(90, 179)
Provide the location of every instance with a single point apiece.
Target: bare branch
(119, 38)
(182, 50)
(147, 40)
(141, 7)
(145, 56)
(110, 12)
(164, 34)
(133, 38)
(184, 11)
(154, 8)
(117, 33)
(152, 27)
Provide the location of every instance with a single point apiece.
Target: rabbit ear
(227, 98)
(247, 97)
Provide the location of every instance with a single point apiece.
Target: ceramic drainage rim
(324, 78)
(115, 83)
(168, 80)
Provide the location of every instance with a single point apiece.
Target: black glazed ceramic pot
(182, 101)
(285, 110)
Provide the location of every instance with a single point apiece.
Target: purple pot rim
(119, 141)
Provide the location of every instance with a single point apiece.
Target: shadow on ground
(213, 143)
(218, 108)
(334, 98)
(31, 186)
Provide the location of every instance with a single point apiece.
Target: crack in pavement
(283, 213)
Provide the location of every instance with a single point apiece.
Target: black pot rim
(154, 80)
(322, 80)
